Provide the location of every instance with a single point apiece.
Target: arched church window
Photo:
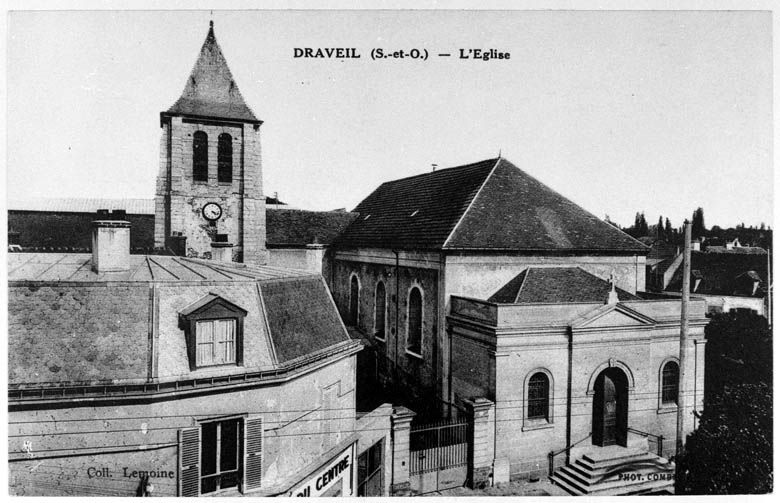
(354, 295)
(200, 157)
(414, 334)
(225, 158)
(670, 378)
(538, 396)
(380, 304)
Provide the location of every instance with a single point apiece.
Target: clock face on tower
(212, 211)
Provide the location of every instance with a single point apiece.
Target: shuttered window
(225, 158)
(254, 454)
(220, 455)
(215, 342)
(538, 396)
(670, 377)
(200, 157)
(189, 454)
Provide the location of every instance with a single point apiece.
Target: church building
(480, 284)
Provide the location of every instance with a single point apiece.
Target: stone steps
(616, 470)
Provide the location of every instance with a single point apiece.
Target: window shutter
(189, 457)
(253, 463)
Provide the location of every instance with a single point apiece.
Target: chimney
(110, 244)
(221, 250)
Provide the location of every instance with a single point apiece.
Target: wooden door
(610, 408)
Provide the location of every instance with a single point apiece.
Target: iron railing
(552, 454)
(658, 439)
(439, 445)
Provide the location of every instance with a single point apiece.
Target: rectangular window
(220, 454)
(370, 471)
(215, 342)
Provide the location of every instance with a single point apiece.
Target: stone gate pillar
(401, 424)
(481, 412)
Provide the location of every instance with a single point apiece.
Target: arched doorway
(610, 408)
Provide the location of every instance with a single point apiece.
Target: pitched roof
(556, 285)
(724, 274)
(211, 90)
(298, 227)
(416, 212)
(302, 317)
(488, 205)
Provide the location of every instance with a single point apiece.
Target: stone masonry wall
(242, 202)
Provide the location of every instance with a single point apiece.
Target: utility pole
(686, 297)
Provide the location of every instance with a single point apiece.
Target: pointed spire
(210, 90)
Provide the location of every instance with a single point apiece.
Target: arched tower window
(380, 304)
(354, 294)
(200, 157)
(538, 396)
(225, 158)
(414, 335)
(670, 378)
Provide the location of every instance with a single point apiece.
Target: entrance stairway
(616, 470)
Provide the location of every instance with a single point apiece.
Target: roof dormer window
(213, 329)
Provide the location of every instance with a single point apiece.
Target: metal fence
(439, 445)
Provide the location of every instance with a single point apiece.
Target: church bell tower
(209, 193)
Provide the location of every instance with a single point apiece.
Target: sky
(621, 111)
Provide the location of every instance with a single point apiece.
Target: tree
(659, 229)
(669, 231)
(731, 451)
(698, 229)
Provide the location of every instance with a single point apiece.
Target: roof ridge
(525, 279)
(470, 165)
(471, 203)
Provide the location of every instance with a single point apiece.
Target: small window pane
(208, 452)
(228, 459)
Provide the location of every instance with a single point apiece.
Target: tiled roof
(302, 317)
(416, 212)
(556, 285)
(489, 205)
(210, 90)
(724, 274)
(299, 227)
(77, 267)
(67, 224)
(82, 205)
(737, 250)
